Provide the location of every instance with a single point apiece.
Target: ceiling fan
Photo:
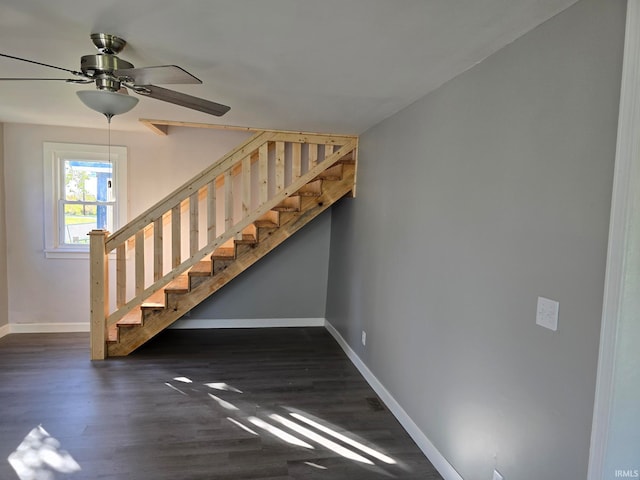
(114, 76)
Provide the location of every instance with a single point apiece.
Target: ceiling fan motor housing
(100, 67)
(108, 43)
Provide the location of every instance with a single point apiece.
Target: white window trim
(53, 154)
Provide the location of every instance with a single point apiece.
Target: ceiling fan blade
(184, 100)
(67, 80)
(163, 74)
(74, 72)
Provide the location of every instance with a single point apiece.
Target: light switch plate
(497, 476)
(547, 313)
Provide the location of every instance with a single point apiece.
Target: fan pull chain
(109, 151)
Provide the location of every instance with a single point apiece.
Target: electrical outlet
(547, 313)
(364, 338)
(497, 476)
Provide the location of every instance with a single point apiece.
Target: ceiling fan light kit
(106, 102)
(113, 76)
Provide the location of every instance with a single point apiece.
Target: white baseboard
(187, 323)
(180, 324)
(48, 327)
(431, 452)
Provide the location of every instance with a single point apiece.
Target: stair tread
(201, 269)
(265, 224)
(247, 239)
(134, 317)
(148, 304)
(179, 284)
(112, 334)
(223, 253)
(156, 300)
(284, 208)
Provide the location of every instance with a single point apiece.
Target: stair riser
(333, 173)
(241, 248)
(311, 189)
(195, 282)
(288, 216)
(220, 265)
(264, 233)
(291, 204)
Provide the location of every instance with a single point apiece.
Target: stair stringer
(131, 335)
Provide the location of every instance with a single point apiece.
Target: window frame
(54, 155)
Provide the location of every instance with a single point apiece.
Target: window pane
(87, 181)
(79, 220)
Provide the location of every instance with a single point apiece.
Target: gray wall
(4, 304)
(491, 191)
(290, 282)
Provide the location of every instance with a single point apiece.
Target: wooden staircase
(272, 185)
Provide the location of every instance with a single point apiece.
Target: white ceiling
(315, 65)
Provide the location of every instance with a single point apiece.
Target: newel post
(99, 292)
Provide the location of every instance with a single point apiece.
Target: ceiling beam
(161, 127)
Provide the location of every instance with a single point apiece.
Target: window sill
(70, 253)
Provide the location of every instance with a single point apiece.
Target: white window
(85, 188)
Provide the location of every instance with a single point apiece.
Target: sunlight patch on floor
(175, 388)
(315, 437)
(277, 432)
(183, 379)
(223, 403)
(39, 457)
(222, 386)
(244, 427)
(343, 438)
(315, 465)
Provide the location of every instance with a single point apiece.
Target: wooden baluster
(193, 224)
(296, 161)
(99, 293)
(313, 155)
(157, 250)
(211, 211)
(228, 201)
(139, 262)
(246, 186)
(176, 231)
(121, 275)
(328, 151)
(279, 166)
(263, 172)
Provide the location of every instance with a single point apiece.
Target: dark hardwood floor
(268, 404)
